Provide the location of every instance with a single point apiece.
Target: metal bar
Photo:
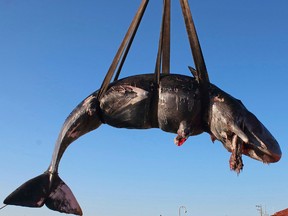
(124, 45)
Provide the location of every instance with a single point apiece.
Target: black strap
(166, 38)
(201, 71)
(163, 55)
(123, 49)
(194, 43)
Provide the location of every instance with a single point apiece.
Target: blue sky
(55, 53)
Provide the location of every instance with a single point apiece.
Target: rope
(3, 207)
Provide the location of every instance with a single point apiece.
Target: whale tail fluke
(62, 199)
(32, 193)
(46, 189)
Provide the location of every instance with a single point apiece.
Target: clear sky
(55, 53)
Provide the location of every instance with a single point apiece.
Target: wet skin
(136, 102)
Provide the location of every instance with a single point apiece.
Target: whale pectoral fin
(62, 199)
(32, 193)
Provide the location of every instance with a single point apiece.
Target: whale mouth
(240, 131)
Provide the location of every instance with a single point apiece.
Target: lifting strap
(123, 49)
(163, 55)
(194, 44)
(201, 70)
